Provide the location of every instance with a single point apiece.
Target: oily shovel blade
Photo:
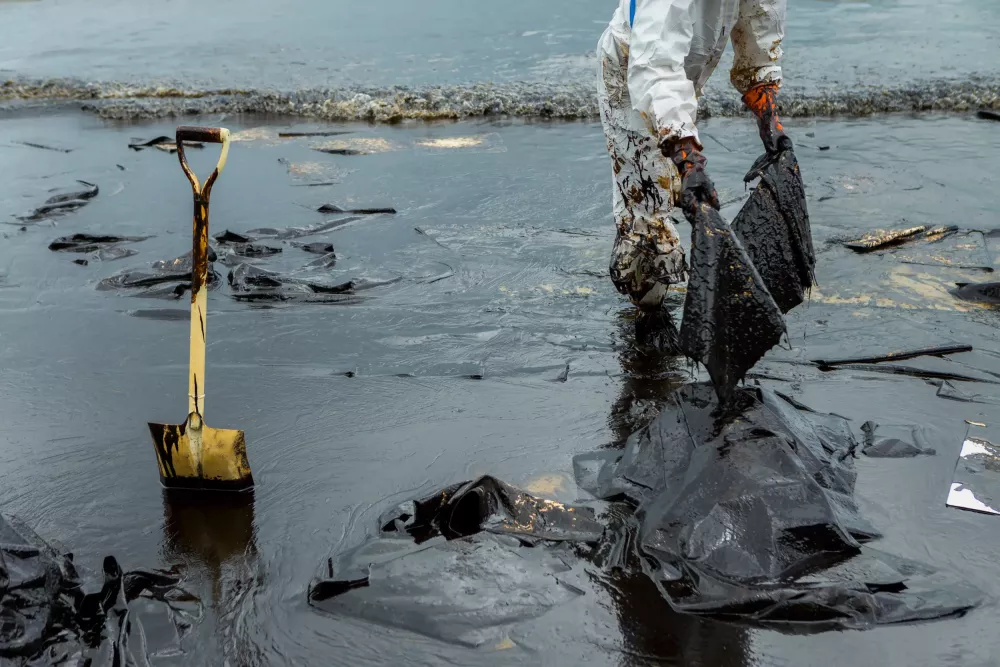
(195, 456)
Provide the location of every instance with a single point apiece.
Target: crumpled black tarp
(744, 277)
(988, 293)
(730, 319)
(46, 617)
(753, 519)
(91, 242)
(910, 443)
(462, 564)
(749, 518)
(164, 279)
(252, 283)
(773, 226)
(299, 232)
(62, 203)
(100, 247)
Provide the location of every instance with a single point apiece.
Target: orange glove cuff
(762, 99)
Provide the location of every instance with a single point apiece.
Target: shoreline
(528, 100)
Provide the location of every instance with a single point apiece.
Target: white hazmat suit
(653, 60)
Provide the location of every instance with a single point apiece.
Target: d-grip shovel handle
(199, 262)
(208, 135)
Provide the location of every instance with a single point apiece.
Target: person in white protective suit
(654, 58)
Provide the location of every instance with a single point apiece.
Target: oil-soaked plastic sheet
(976, 482)
(164, 279)
(743, 278)
(253, 284)
(462, 565)
(773, 226)
(730, 319)
(753, 519)
(903, 441)
(46, 617)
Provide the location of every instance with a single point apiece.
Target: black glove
(696, 187)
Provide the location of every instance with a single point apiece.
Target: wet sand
(351, 408)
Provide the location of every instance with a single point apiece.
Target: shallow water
(309, 44)
(521, 58)
(519, 213)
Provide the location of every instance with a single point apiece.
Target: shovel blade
(201, 458)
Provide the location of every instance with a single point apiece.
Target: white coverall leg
(653, 60)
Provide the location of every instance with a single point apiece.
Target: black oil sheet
(743, 278)
(47, 616)
(462, 564)
(753, 519)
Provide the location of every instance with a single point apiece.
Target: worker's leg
(647, 255)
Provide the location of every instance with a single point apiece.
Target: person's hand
(696, 187)
(762, 100)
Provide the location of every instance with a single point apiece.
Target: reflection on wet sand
(213, 532)
(648, 374)
(211, 529)
(651, 632)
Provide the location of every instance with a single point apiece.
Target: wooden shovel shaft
(199, 258)
(199, 316)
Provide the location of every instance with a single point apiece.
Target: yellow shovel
(193, 455)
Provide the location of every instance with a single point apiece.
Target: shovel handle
(208, 135)
(199, 262)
